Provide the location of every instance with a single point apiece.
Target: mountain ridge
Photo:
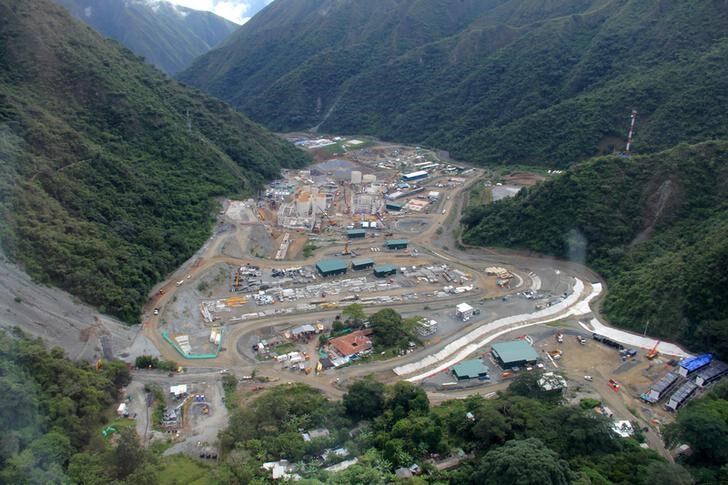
(104, 186)
(541, 83)
(168, 36)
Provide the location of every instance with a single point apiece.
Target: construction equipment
(560, 338)
(99, 365)
(614, 385)
(653, 351)
(346, 251)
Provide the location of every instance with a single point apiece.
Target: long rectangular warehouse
(362, 263)
(331, 267)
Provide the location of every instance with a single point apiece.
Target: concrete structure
(681, 396)
(382, 270)
(356, 233)
(418, 175)
(355, 343)
(331, 267)
(464, 311)
(470, 369)
(397, 243)
(366, 203)
(355, 177)
(433, 195)
(514, 353)
(426, 327)
(369, 178)
(362, 263)
(303, 204)
(688, 366)
(320, 203)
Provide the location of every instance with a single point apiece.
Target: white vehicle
(588, 378)
(179, 283)
(156, 311)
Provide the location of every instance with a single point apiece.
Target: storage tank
(355, 177)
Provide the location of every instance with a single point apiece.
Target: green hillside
(166, 35)
(103, 188)
(497, 81)
(655, 226)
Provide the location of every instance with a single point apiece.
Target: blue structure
(688, 366)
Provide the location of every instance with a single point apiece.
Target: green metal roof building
(514, 353)
(394, 206)
(397, 243)
(470, 369)
(362, 263)
(382, 270)
(331, 267)
(356, 233)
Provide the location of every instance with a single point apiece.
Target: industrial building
(394, 206)
(688, 366)
(464, 311)
(659, 389)
(418, 175)
(397, 243)
(426, 327)
(382, 270)
(356, 233)
(711, 374)
(514, 353)
(682, 395)
(331, 267)
(362, 263)
(470, 369)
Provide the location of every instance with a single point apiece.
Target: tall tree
(522, 462)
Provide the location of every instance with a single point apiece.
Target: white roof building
(178, 390)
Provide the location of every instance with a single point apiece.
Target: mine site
(291, 284)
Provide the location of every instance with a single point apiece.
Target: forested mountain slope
(166, 35)
(103, 186)
(493, 81)
(655, 226)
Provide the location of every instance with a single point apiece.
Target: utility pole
(631, 132)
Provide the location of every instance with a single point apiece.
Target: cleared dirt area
(58, 318)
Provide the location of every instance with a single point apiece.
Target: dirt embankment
(57, 317)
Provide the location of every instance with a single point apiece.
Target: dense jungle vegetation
(492, 81)
(654, 226)
(109, 169)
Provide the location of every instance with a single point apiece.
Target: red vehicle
(614, 385)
